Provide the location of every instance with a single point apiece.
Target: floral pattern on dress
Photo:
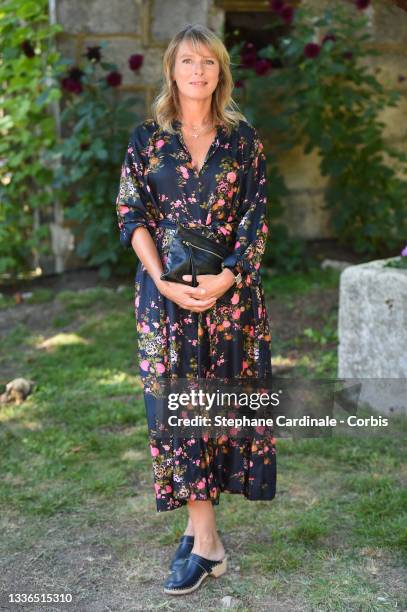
(226, 200)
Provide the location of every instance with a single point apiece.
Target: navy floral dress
(226, 200)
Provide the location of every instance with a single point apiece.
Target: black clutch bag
(192, 253)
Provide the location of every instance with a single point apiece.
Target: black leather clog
(192, 573)
(185, 546)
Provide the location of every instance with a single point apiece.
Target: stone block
(389, 23)
(372, 324)
(98, 16)
(169, 17)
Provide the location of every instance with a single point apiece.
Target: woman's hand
(215, 285)
(187, 297)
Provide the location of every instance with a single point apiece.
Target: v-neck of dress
(212, 147)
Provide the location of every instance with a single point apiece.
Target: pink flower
(144, 365)
(137, 302)
(235, 298)
(221, 201)
(160, 367)
(184, 172)
(123, 209)
(168, 488)
(236, 314)
(226, 323)
(159, 143)
(231, 177)
(201, 484)
(145, 328)
(154, 451)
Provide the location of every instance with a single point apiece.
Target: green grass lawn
(77, 481)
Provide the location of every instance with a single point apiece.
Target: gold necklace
(195, 129)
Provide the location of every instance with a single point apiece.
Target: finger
(195, 291)
(200, 303)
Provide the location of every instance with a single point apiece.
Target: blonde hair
(166, 107)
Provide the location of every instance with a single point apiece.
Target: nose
(198, 67)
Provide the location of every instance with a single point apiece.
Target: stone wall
(145, 26)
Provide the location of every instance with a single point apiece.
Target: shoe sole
(217, 571)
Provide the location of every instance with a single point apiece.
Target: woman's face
(196, 73)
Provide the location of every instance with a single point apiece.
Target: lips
(198, 82)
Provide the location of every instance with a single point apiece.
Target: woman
(199, 162)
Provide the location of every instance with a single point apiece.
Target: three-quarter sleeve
(133, 205)
(252, 230)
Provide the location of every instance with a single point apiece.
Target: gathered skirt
(230, 341)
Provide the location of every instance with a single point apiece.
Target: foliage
(317, 90)
(398, 262)
(96, 124)
(27, 130)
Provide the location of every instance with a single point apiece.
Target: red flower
(287, 13)
(311, 50)
(262, 66)
(328, 37)
(135, 61)
(114, 79)
(72, 82)
(361, 5)
(248, 56)
(28, 48)
(276, 5)
(72, 85)
(93, 54)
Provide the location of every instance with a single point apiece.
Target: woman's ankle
(189, 530)
(209, 546)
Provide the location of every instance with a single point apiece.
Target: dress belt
(174, 224)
